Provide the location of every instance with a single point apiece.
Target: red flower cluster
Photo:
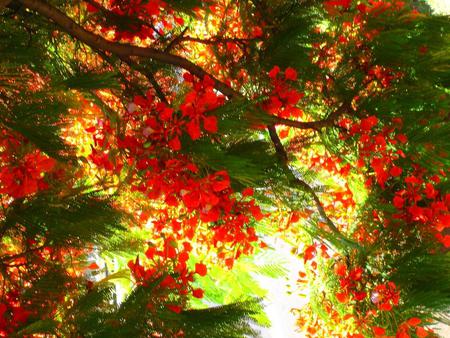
(283, 99)
(311, 252)
(12, 313)
(377, 147)
(412, 325)
(160, 126)
(378, 7)
(422, 203)
(163, 126)
(350, 282)
(143, 18)
(385, 296)
(168, 270)
(149, 146)
(200, 100)
(419, 201)
(373, 7)
(20, 177)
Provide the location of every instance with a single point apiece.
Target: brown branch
(281, 152)
(124, 51)
(217, 39)
(316, 125)
(4, 3)
(283, 156)
(117, 17)
(20, 255)
(175, 41)
(120, 49)
(148, 75)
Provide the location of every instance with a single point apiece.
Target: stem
(124, 51)
(148, 75)
(316, 125)
(4, 3)
(116, 17)
(217, 39)
(22, 254)
(282, 154)
(120, 49)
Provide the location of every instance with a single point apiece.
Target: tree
(175, 136)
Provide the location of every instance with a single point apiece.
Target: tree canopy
(153, 153)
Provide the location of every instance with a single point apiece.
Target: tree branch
(283, 156)
(217, 39)
(4, 3)
(175, 41)
(20, 255)
(316, 125)
(124, 51)
(116, 17)
(120, 49)
(148, 75)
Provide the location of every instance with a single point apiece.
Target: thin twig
(283, 156)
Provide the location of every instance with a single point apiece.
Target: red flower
(310, 252)
(256, 212)
(379, 331)
(414, 321)
(93, 266)
(274, 72)
(398, 202)
(201, 269)
(168, 282)
(91, 9)
(175, 144)
(174, 308)
(356, 274)
(396, 171)
(290, 74)
(210, 124)
(247, 192)
(421, 332)
(342, 297)
(193, 129)
(198, 293)
(359, 295)
(340, 269)
(368, 123)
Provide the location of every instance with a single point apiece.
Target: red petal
(386, 307)
(379, 331)
(309, 253)
(396, 171)
(193, 129)
(93, 266)
(198, 293)
(414, 321)
(256, 212)
(201, 269)
(342, 297)
(290, 74)
(359, 295)
(210, 124)
(91, 9)
(274, 72)
(247, 192)
(175, 144)
(421, 332)
(368, 123)
(174, 308)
